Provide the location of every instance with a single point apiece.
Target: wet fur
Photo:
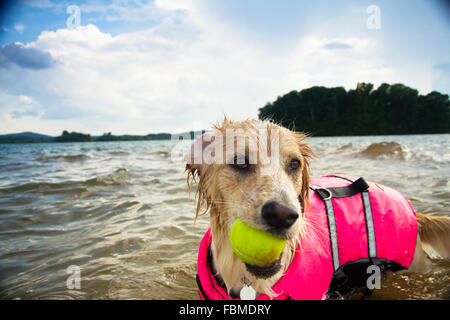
(434, 233)
(226, 194)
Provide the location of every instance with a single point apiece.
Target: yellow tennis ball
(253, 246)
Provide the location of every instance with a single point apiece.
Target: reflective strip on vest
(372, 246)
(333, 233)
(331, 227)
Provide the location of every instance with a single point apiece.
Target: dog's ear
(195, 161)
(307, 154)
(196, 166)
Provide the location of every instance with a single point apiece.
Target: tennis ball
(253, 246)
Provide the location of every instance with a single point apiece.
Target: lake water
(121, 213)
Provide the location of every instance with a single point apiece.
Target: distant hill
(31, 137)
(126, 137)
(25, 137)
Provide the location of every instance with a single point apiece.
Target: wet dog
(258, 171)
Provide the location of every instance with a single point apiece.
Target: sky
(140, 67)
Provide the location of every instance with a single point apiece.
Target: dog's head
(256, 171)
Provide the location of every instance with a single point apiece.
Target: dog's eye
(294, 165)
(241, 164)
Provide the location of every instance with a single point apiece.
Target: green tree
(389, 109)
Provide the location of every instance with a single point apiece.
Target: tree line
(81, 137)
(389, 109)
(66, 136)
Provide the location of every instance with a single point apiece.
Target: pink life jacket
(351, 225)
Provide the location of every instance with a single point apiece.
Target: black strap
(371, 242)
(359, 186)
(216, 276)
(341, 177)
(199, 285)
(356, 187)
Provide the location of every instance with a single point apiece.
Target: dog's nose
(278, 216)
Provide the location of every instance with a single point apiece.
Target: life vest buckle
(324, 193)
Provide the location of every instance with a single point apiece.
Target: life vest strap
(355, 188)
(360, 183)
(358, 186)
(333, 233)
(371, 242)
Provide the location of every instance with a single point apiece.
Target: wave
(119, 177)
(386, 150)
(44, 187)
(163, 154)
(160, 153)
(69, 158)
(346, 146)
(395, 151)
(119, 153)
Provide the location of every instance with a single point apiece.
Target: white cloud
(17, 107)
(180, 72)
(19, 27)
(25, 99)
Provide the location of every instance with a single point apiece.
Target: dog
(270, 195)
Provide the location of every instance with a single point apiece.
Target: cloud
(337, 45)
(169, 76)
(24, 56)
(192, 69)
(25, 99)
(31, 112)
(19, 28)
(20, 106)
